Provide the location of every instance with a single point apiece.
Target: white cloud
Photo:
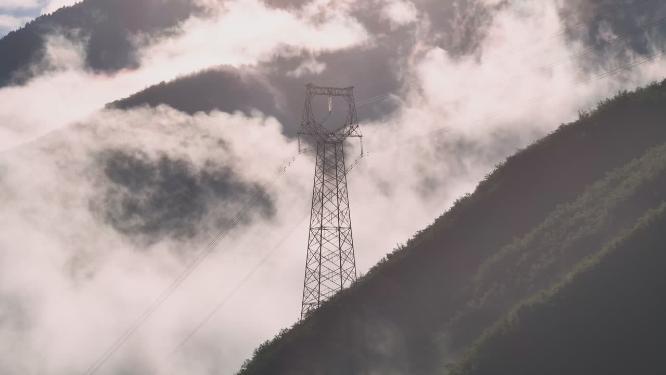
(107, 266)
(230, 40)
(70, 277)
(9, 22)
(523, 78)
(76, 284)
(310, 66)
(491, 2)
(18, 4)
(43, 6)
(400, 12)
(53, 5)
(72, 93)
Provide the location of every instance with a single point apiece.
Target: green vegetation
(604, 318)
(570, 233)
(528, 225)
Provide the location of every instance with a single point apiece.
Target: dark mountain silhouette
(612, 31)
(108, 27)
(556, 253)
(605, 318)
(550, 210)
(226, 89)
(151, 198)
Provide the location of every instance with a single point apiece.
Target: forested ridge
(434, 304)
(552, 265)
(108, 30)
(603, 318)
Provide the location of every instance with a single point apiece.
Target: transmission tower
(330, 264)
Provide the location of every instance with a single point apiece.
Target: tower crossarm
(313, 128)
(329, 91)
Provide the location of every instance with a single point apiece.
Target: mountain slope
(570, 233)
(399, 317)
(612, 32)
(225, 88)
(606, 318)
(108, 28)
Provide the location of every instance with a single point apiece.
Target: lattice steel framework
(330, 264)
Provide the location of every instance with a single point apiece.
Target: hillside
(273, 89)
(571, 232)
(605, 318)
(153, 185)
(225, 88)
(108, 27)
(527, 226)
(275, 86)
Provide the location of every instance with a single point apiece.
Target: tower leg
(330, 264)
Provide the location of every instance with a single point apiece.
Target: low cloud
(400, 12)
(38, 6)
(83, 249)
(9, 22)
(71, 92)
(18, 4)
(70, 276)
(53, 5)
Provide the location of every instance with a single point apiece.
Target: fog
(70, 92)
(94, 224)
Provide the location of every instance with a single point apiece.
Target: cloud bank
(94, 225)
(71, 92)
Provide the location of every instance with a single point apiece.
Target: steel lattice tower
(330, 264)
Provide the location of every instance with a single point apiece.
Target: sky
(78, 268)
(16, 13)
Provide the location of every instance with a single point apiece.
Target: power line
(207, 250)
(643, 27)
(263, 260)
(267, 256)
(374, 99)
(658, 19)
(580, 23)
(633, 64)
(191, 267)
(247, 276)
(587, 50)
(597, 76)
(233, 291)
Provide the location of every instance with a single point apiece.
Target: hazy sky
(73, 278)
(15, 13)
